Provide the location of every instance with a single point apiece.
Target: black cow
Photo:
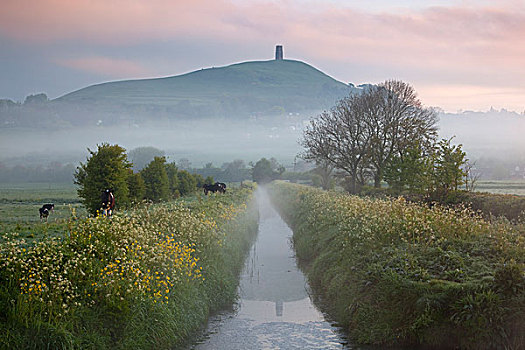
(216, 187)
(44, 213)
(108, 202)
(50, 207)
(222, 185)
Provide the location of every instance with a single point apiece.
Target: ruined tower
(279, 52)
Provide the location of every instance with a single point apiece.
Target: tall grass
(393, 272)
(143, 279)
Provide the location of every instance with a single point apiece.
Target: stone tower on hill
(279, 52)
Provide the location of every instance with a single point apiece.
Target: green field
(516, 187)
(19, 204)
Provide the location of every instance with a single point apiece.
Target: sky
(458, 54)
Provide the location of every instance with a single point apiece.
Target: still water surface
(274, 309)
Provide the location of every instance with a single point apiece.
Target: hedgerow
(393, 272)
(144, 279)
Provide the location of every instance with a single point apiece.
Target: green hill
(239, 90)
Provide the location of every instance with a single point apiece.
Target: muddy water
(274, 310)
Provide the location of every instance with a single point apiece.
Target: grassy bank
(393, 272)
(144, 279)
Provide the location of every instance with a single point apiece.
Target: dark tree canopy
(156, 180)
(449, 172)
(173, 179)
(136, 186)
(187, 182)
(265, 170)
(36, 99)
(105, 168)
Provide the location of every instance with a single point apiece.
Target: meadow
(19, 204)
(398, 273)
(146, 278)
(514, 187)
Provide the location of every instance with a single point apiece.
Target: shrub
(106, 168)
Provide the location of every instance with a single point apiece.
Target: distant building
(279, 52)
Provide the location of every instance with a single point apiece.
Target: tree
(235, 171)
(199, 180)
(209, 180)
(142, 156)
(209, 170)
(471, 177)
(323, 172)
(105, 168)
(37, 99)
(184, 163)
(410, 171)
(449, 172)
(136, 186)
(340, 137)
(156, 180)
(187, 183)
(173, 179)
(263, 172)
(396, 121)
(364, 132)
(276, 166)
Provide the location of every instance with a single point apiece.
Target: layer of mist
(493, 140)
(489, 134)
(200, 141)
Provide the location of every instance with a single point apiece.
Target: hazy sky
(457, 54)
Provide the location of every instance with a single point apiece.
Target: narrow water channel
(274, 310)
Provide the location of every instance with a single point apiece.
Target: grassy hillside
(249, 88)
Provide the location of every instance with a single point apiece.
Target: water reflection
(274, 310)
(299, 311)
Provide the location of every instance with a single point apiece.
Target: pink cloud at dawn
(447, 49)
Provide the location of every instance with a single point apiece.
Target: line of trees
(266, 170)
(384, 134)
(108, 167)
(235, 171)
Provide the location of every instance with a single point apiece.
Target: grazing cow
(208, 188)
(222, 185)
(216, 187)
(50, 207)
(108, 202)
(44, 213)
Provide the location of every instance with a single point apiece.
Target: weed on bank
(393, 272)
(144, 279)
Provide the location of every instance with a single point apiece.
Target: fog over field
(201, 141)
(496, 135)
